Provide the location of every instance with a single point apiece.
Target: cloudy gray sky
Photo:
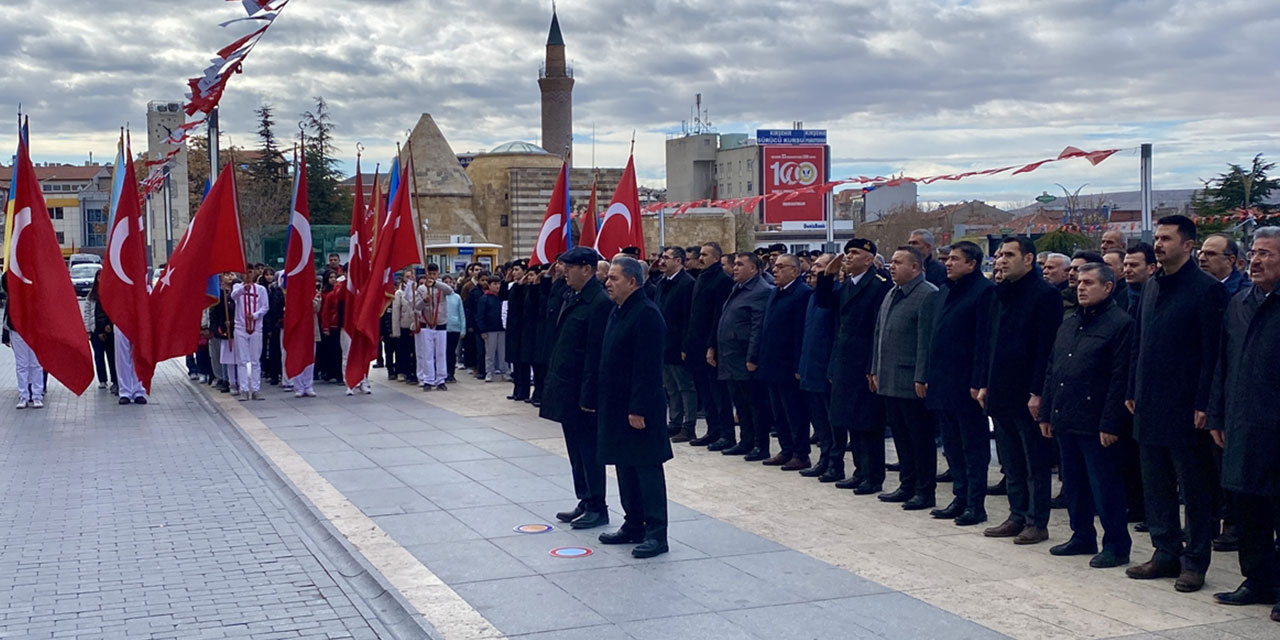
(910, 86)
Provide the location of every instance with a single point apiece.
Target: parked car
(82, 276)
(83, 258)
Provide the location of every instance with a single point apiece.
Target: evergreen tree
(1238, 188)
(329, 203)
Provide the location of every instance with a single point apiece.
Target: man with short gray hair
(934, 273)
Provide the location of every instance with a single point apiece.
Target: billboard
(788, 168)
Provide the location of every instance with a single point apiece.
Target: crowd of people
(1138, 372)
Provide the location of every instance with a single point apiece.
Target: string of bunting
(751, 202)
(206, 90)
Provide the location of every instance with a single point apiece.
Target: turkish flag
(588, 236)
(554, 238)
(42, 303)
(123, 280)
(299, 280)
(397, 247)
(210, 246)
(621, 226)
(357, 278)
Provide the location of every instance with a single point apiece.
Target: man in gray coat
(899, 368)
(737, 353)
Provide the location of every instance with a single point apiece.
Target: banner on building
(793, 170)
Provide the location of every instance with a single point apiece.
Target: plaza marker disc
(533, 528)
(570, 552)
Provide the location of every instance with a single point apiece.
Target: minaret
(556, 83)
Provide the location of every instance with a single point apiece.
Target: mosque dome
(518, 147)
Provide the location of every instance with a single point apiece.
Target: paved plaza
(394, 515)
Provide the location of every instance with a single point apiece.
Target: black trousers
(521, 372)
(451, 350)
(1131, 473)
(1189, 471)
(713, 395)
(329, 357)
(752, 426)
(913, 438)
(966, 442)
(389, 355)
(791, 416)
(539, 376)
(1259, 537)
(642, 490)
(272, 362)
(104, 357)
(588, 472)
(1226, 507)
(1092, 485)
(406, 355)
(476, 344)
(820, 415)
(1027, 457)
(203, 365)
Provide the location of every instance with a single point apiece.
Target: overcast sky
(911, 86)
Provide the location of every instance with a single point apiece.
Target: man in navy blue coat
(815, 357)
(954, 367)
(780, 360)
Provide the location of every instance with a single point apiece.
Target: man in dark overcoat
(963, 305)
(709, 293)
(737, 352)
(1245, 423)
(632, 409)
(571, 396)
(857, 413)
(674, 297)
(816, 342)
(1175, 348)
(780, 361)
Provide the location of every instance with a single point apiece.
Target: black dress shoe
(945, 476)
(672, 431)
(897, 495)
(815, 471)
(918, 503)
(1228, 541)
(852, 483)
(590, 519)
(1141, 527)
(685, 435)
(831, 475)
(1108, 559)
(123, 400)
(721, 444)
(740, 449)
(1074, 547)
(621, 537)
(1247, 595)
(866, 489)
(1058, 502)
(570, 516)
(998, 489)
(971, 517)
(756, 455)
(893, 466)
(949, 512)
(649, 549)
(703, 441)
(140, 400)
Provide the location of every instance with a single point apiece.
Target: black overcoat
(1089, 372)
(783, 332)
(738, 334)
(513, 295)
(1020, 332)
(675, 296)
(710, 291)
(530, 320)
(955, 359)
(578, 330)
(852, 402)
(553, 292)
(630, 372)
(1175, 348)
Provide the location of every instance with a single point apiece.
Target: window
(61, 239)
(504, 220)
(56, 213)
(749, 164)
(748, 186)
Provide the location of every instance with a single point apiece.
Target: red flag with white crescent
(588, 236)
(123, 285)
(553, 236)
(621, 226)
(300, 280)
(42, 303)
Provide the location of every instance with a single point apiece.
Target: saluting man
(632, 407)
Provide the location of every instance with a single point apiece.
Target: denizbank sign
(799, 225)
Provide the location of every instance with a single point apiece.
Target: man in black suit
(963, 305)
(934, 273)
(737, 353)
(571, 397)
(709, 294)
(632, 409)
(779, 363)
(1019, 335)
(857, 413)
(1175, 348)
(675, 295)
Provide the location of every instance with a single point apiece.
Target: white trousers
(430, 345)
(129, 385)
(248, 348)
(305, 381)
(30, 373)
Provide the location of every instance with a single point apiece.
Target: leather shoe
(897, 495)
(1074, 547)
(590, 520)
(673, 431)
(1247, 595)
(797, 464)
(1151, 569)
(918, 503)
(1228, 541)
(739, 449)
(866, 489)
(1189, 581)
(649, 549)
(756, 455)
(1141, 527)
(1108, 559)
(1006, 529)
(570, 516)
(945, 476)
(777, 461)
(971, 517)
(683, 436)
(1031, 535)
(832, 474)
(851, 483)
(814, 471)
(704, 441)
(1275, 613)
(892, 466)
(621, 537)
(950, 512)
(998, 489)
(1058, 502)
(721, 445)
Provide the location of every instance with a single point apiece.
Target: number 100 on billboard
(788, 168)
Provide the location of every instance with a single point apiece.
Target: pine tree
(329, 203)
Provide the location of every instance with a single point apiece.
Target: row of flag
(618, 229)
(163, 321)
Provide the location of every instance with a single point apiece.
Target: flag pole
(417, 212)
